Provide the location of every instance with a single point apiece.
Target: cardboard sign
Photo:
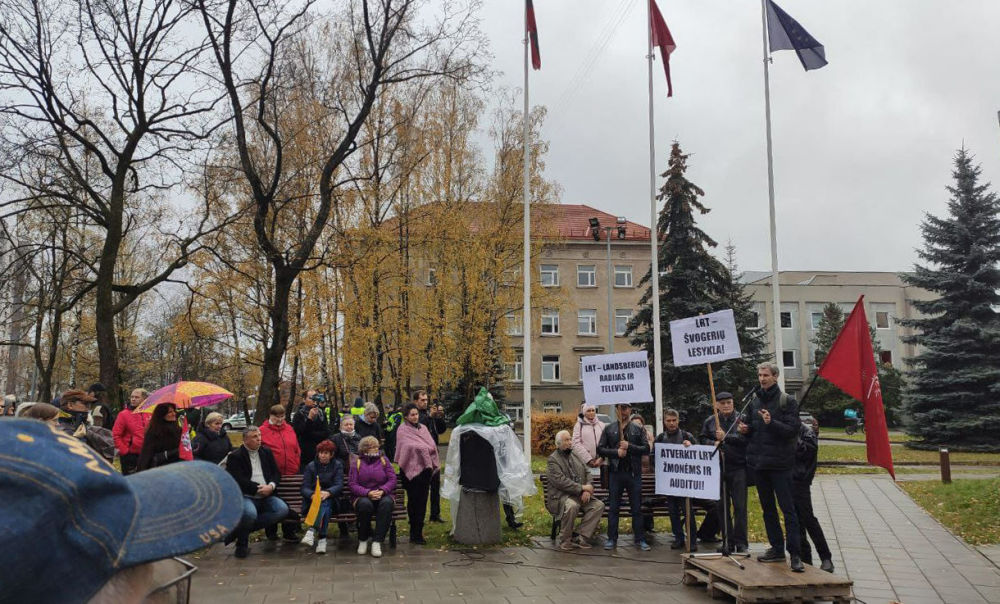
(610, 379)
(705, 339)
(687, 471)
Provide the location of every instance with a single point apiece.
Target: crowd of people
(345, 464)
(768, 446)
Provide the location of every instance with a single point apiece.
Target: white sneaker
(376, 549)
(321, 546)
(362, 548)
(307, 539)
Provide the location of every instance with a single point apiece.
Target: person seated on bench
(330, 473)
(372, 481)
(254, 469)
(570, 491)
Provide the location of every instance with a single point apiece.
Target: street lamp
(595, 231)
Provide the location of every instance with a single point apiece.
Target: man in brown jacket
(569, 491)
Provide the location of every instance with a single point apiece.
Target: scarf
(415, 450)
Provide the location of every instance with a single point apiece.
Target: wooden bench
(652, 504)
(290, 490)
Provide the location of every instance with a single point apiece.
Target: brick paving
(884, 542)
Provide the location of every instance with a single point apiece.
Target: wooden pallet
(764, 582)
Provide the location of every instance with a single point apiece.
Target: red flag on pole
(850, 366)
(536, 57)
(663, 39)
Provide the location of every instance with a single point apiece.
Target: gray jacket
(566, 477)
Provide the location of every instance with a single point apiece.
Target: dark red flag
(661, 38)
(850, 366)
(536, 57)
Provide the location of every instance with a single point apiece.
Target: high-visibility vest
(359, 411)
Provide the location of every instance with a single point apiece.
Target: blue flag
(785, 33)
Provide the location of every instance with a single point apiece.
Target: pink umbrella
(185, 395)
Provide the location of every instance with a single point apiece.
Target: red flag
(536, 57)
(661, 38)
(850, 366)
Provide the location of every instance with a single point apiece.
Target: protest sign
(705, 339)
(687, 471)
(609, 379)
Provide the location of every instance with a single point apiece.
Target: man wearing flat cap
(734, 460)
(74, 408)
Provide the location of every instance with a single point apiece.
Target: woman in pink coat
(586, 433)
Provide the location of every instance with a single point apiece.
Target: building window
(432, 277)
(816, 318)
(515, 370)
(881, 320)
(550, 322)
(788, 359)
(754, 322)
(622, 317)
(586, 275)
(586, 322)
(515, 326)
(550, 368)
(623, 276)
(515, 410)
(885, 357)
(786, 320)
(552, 407)
(550, 275)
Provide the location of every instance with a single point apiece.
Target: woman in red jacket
(130, 428)
(279, 437)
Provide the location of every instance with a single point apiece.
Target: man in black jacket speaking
(772, 430)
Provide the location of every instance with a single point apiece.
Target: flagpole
(526, 355)
(654, 254)
(775, 294)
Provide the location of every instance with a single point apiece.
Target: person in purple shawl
(417, 456)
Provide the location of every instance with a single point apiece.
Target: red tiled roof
(572, 221)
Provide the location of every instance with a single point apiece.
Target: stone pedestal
(478, 520)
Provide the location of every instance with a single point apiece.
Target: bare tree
(272, 73)
(111, 96)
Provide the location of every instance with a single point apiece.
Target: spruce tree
(733, 376)
(692, 282)
(954, 387)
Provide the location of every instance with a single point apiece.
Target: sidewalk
(414, 575)
(884, 542)
(893, 550)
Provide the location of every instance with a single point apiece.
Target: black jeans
(436, 496)
(381, 509)
(736, 498)
(417, 489)
(808, 522)
(777, 484)
(129, 462)
(618, 482)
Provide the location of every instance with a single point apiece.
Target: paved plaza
(884, 542)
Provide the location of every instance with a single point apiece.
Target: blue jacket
(331, 478)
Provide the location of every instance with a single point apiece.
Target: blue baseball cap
(71, 521)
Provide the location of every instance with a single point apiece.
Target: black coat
(607, 447)
(805, 456)
(309, 432)
(364, 429)
(436, 425)
(211, 446)
(346, 446)
(239, 468)
(772, 446)
(734, 449)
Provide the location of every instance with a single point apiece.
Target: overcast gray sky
(862, 147)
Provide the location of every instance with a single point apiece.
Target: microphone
(753, 391)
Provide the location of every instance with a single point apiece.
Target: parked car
(237, 421)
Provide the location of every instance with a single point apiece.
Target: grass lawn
(969, 508)
(895, 436)
(857, 454)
